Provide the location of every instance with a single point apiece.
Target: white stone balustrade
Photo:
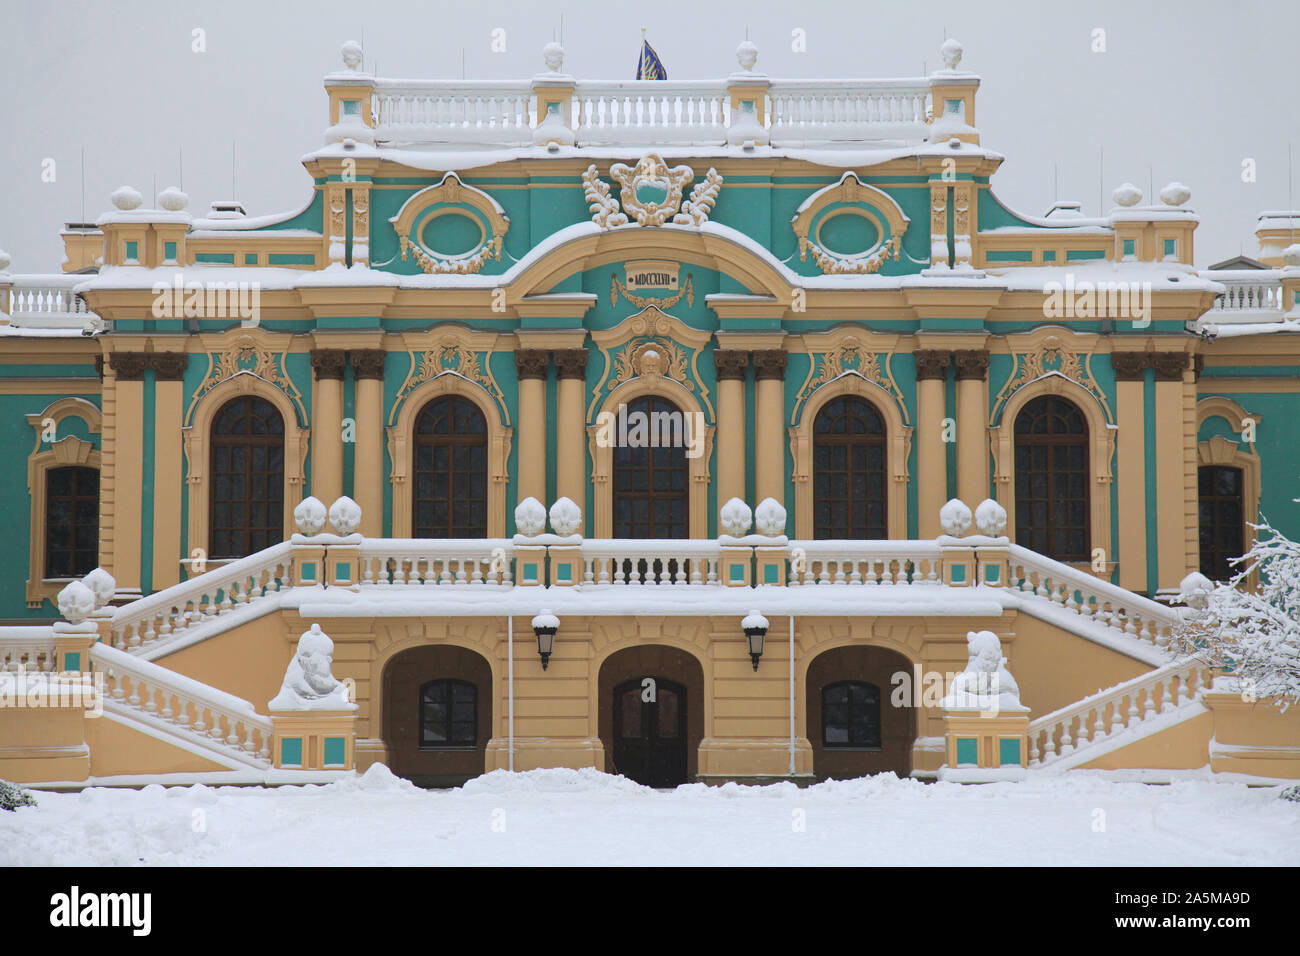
(433, 562)
(868, 563)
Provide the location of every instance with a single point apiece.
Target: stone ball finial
(1195, 590)
(747, 55)
(345, 516)
(126, 198)
(4, 260)
(352, 54)
(951, 52)
(172, 199)
(102, 585)
(1175, 194)
(76, 601)
(736, 518)
(566, 517)
(310, 516)
(955, 517)
(990, 518)
(1290, 255)
(769, 518)
(1126, 194)
(530, 517)
(553, 57)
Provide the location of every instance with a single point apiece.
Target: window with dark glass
(851, 714)
(651, 484)
(1222, 520)
(71, 521)
(450, 470)
(247, 477)
(448, 714)
(1051, 441)
(849, 470)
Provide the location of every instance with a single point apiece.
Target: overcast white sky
(1184, 91)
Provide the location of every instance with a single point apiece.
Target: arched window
(247, 477)
(851, 714)
(849, 470)
(450, 470)
(651, 476)
(71, 521)
(448, 714)
(1051, 439)
(1221, 519)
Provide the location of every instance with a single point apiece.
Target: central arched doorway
(652, 714)
(854, 725)
(437, 714)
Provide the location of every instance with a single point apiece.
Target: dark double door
(650, 732)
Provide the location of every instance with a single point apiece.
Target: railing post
(747, 94)
(554, 119)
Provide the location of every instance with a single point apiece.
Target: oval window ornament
(847, 234)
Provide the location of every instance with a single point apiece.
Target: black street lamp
(545, 625)
(755, 627)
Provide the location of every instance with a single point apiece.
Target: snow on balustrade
(1247, 291)
(804, 111)
(430, 561)
(632, 561)
(173, 611)
(27, 648)
(651, 112)
(1090, 597)
(1109, 713)
(178, 704)
(865, 562)
(481, 112)
(46, 301)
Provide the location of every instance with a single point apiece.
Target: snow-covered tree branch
(1253, 635)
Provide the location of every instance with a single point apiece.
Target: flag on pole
(648, 66)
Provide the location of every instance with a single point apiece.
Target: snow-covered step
(1118, 716)
(188, 712)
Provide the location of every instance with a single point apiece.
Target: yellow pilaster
(972, 424)
(128, 471)
(730, 364)
(532, 364)
(168, 481)
(368, 463)
(769, 436)
(931, 448)
(570, 429)
(1171, 518)
(1130, 416)
(327, 425)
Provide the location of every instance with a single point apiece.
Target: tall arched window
(247, 477)
(448, 714)
(851, 714)
(1051, 440)
(450, 470)
(71, 521)
(849, 491)
(1222, 520)
(651, 476)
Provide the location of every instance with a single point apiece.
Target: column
(1131, 467)
(972, 425)
(571, 427)
(368, 462)
(731, 365)
(531, 364)
(128, 467)
(931, 447)
(1171, 517)
(327, 426)
(769, 435)
(168, 482)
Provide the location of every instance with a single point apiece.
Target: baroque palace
(707, 430)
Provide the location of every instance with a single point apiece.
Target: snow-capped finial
(990, 518)
(345, 516)
(955, 517)
(1290, 255)
(124, 198)
(951, 52)
(736, 518)
(76, 601)
(1175, 194)
(172, 199)
(352, 54)
(553, 57)
(310, 515)
(4, 260)
(747, 55)
(1126, 194)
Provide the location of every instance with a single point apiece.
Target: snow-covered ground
(563, 817)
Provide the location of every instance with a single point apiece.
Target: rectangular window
(169, 251)
(1130, 248)
(1171, 248)
(71, 521)
(133, 252)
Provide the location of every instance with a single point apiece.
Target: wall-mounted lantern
(755, 627)
(545, 625)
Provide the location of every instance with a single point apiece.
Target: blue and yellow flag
(649, 67)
